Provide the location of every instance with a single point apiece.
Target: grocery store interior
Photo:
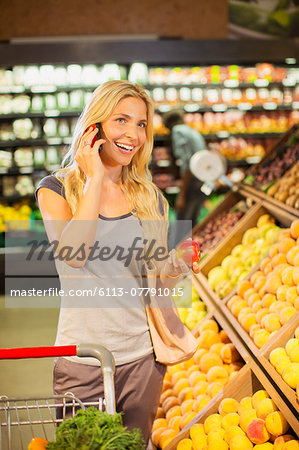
(239, 88)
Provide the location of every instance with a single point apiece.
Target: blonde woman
(102, 196)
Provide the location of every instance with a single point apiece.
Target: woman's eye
(142, 125)
(121, 120)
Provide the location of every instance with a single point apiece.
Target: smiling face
(124, 131)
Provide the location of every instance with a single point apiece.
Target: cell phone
(98, 135)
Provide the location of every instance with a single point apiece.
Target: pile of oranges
(188, 387)
(270, 298)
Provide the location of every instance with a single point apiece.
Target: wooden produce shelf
(234, 238)
(280, 340)
(249, 380)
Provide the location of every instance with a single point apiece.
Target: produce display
(270, 298)
(218, 227)
(286, 189)
(189, 386)
(236, 149)
(286, 361)
(271, 170)
(254, 422)
(254, 246)
(191, 308)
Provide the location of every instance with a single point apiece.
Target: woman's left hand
(174, 266)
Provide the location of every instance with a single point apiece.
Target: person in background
(185, 142)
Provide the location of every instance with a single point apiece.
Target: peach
(166, 437)
(280, 441)
(287, 276)
(231, 432)
(282, 293)
(248, 321)
(265, 407)
(228, 405)
(185, 444)
(217, 444)
(207, 338)
(230, 419)
(196, 377)
(246, 417)
(215, 433)
(199, 442)
(258, 396)
(245, 404)
(185, 394)
(216, 348)
(201, 401)
(294, 229)
(276, 423)
(253, 329)
(290, 374)
(209, 324)
(209, 360)
(257, 431)
(284, 361)
(294, 355)
(276, 354)
(217, 373)
(261, 337)
(240, 443)
(271, 322)
(187, 406)
(200, 388)
(291, 294)
(212, 421)
(197, 429)
(186, 418)
(265, 446)
(290, 345)
(272, 283)
(291, 445)
(214, 388)
(198, 354)
(229, 353)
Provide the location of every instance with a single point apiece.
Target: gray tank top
(102, 301)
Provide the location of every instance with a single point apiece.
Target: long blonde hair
(136, 180)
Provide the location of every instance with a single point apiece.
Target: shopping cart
(24, 418)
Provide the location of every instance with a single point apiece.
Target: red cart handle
(38, 352)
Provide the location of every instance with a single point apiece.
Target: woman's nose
(131, 132)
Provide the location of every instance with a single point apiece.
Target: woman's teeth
(125, 147)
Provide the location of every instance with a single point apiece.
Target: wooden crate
(249, 380)
(280, 341)
(232, 239)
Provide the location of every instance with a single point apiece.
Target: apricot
(200, 442)
(246, 417)
(156, 435)
(174, 423)
(268, 299)
(296, 275)
(217, 373)
(276, 354)
(296, 304)
(187, 406)
(198, 354)
(280, 441)
(284, 361)
(253, 329)
(237, 307)
(253, 298)
(196, 377)
(224, 337)
(172, 412)
(165, 394)
(228, 405)
(272, 283)
(185, 444)
(285, 244)
(216, 348)
(186, 418)
(291, 445)
(229, 353)
(248, 321)
(217, 444)
(240, 442)
(166, 437)
(259, 282)
(255, 275)
(185, 394)
(197, 429)
(233, 299)
(264, 262)
(265, 446)
(265, 407)
(187, 364)
(297, 333)
(276, 307)
(159, 423)
(280, 258)
(244, 404)
(290, 374)
(201, 401)
(209, 324)
(290, 345)
(294, 229)
(209, 360)
(292, 253)
(180, 385)
(172, 369)
(243, 286)
(296, 259)
(231, 432)
(159, 413)
(257, 431)
(276, 423)
(200, 388)
(271, 322)
(282, 292)
(230, 419)
(273, 250)
(166, 385)
(291, 294)
(214, 388)
(261, 337)
(286, 313)
(243, 313)
(207, 338)
(178, 376)
(212, 421)
(278, 270)
(248, 293)
(287, 276)
(256, 306)
(258, 396)
(294, 355)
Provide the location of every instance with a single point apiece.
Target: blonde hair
(136, 179)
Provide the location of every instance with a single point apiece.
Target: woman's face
(124, 131)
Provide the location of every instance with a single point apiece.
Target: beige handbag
(173, 342)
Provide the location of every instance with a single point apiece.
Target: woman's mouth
(124, 148)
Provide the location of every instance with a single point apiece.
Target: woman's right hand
(88, 157)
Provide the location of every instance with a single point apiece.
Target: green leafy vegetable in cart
(95, 430)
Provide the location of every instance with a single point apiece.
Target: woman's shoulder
(53, 183)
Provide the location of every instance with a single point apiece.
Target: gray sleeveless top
(101, 302)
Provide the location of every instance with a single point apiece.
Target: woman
(102, 198)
